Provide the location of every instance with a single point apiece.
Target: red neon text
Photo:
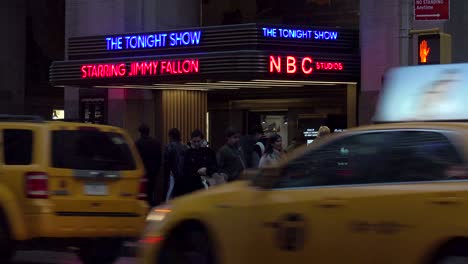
(306, 65)
(141, 68)
(291, 63)
(330, 66)
(103, 70)
(164, 67)
(275, 64)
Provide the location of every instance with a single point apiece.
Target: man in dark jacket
(173, 155)
(198, 161)
(253, 146)
(150, 152)
(231, 159)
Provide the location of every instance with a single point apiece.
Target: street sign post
(431, 9)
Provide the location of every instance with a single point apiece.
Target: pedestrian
(273, 152)
(249, 147)
(198, 162)
(231, 159)
(322, 132)
(292, 146)
(173, 155)
(150, 152)
(262, 141)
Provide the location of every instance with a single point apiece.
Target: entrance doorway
(271, 123)
(308, 125)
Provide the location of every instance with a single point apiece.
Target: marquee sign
(209, 39)
(234, 52)
(307, 34)
(306, 65)
(139, 68)
(234, 65)
(156, 40)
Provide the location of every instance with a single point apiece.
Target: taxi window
(421, 156)
(377, 157)
(345, 161)
(17, 146)
(91, 150)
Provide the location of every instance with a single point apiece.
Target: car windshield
(90, 150)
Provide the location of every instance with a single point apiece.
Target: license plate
(96, 189)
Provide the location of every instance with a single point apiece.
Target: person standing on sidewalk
(150, 152)
(199, 163)
(262, 141)
(273, 152)
(173, 155)
(322, 132)
(231, 160)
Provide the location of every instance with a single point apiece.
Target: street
(50, 257)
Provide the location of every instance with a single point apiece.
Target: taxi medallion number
(96, 189)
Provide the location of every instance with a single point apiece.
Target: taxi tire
(102, 251)
(456, 254)
(188, 247)
(6, 243)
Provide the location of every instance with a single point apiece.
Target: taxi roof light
(424, 93)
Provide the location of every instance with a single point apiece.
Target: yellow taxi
(395, 192)
(68, 184)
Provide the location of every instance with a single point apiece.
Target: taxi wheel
(102, 251)
(6, 244)
(189, 247)
(457, 254)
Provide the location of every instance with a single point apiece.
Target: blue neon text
(158, 40)
(299, 34)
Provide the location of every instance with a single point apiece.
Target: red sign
(140, 68)
(431, 9)
(305, 65)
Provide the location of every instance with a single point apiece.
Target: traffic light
(434, 48)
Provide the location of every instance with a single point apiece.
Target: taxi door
(316, 212)
(424, 200)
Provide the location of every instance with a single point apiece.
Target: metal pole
(405, 26)
(201, 13)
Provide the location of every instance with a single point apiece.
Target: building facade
(288, 79)
(33, 38)
(278, 108)
(385, 42)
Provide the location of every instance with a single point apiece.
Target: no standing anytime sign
(431, 9)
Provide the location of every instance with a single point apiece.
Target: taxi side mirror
(267, 177)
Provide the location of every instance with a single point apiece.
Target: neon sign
(140, 68)
(299, 34)
(158, 40)
(305, 65)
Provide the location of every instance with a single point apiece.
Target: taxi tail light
(152, 240)
(37, 185)
(142, 189)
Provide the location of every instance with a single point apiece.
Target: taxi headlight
(159, 213)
